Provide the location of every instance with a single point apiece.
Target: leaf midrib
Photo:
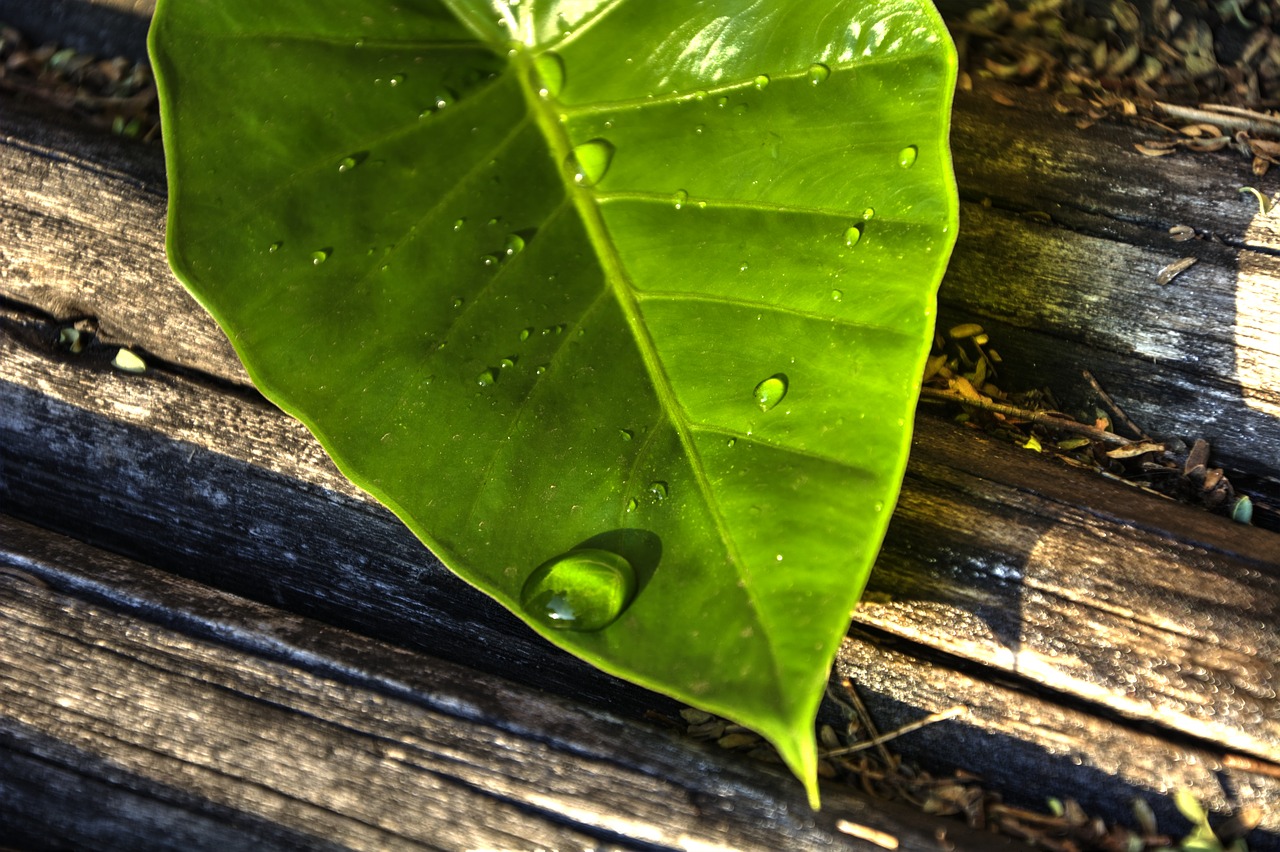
(618, 283)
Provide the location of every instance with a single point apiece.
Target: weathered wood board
(1109, 644)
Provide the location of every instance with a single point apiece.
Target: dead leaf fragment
(1173, 270)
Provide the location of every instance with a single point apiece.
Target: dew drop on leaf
(762, 81)
(869, 213)
(514, 245)
(507, 362)
(589, 162)
(489, 260)
(347, 164)
(319, 257)
(658, 490)
(459, 224)
(722, 101)
(443, 99)
(524, 333)
(627, 434)
(853, 235)
(631, 505)
(395, 80)
(907, 156)
(771, 391)
(550, 68)
(582, 590)
(275, 247)
(837, 295)
(818, 73)
(681, 198)
(486, 379)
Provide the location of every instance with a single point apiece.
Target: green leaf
(654, 280)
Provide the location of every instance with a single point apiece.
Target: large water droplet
(550, 68)
(658, 490)
(581, 590)
(486, 379)
(509, 361)
(852, 235)
(907, 156)
(771, 391)
(589, 162)
(837, 295)
(762, 81)
(319, 257)
(818, 73)
(514, 245)
(524, 333)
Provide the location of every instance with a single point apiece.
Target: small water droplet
(319, 257)
(869, 213)
(489, 260)
(443, 99)
(740, 109)
(582, 590)
(698, 129)
(550, 68)
(681, 198)
(627, 434)
(771, 391)
(631, 505)
(395, 80)
(540, 369)
(722, 101)
(524, 333)
(818, 73)
(852, 235)
(347, 164)
(658, 490)
(761, 81)
(731, 442)
(275, 247)
(700, 95)
(879, 507)
(514, 245)
(457, 303)
(459, 224)
(508, 362)
(837, 295)
(907, 156)
(590, 161)
(486, 378)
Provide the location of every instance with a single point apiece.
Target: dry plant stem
(865, 718)
(1115, 409)
(941, 715)
(1028, 415)
(1234, 118)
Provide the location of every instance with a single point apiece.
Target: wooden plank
(245, 725)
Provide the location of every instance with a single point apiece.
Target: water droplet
(681, 198)
(907, 156)
(837, 295)
(275, 247)
(489, 260)
(550, 68)
(347, 164)
(540, 369)
(658, 490)
(731, 442)
(581, 590)
(486, 378)
(879, 507)
(761, 81)
(740, 109)
(771, 391)
(443, 99)
(509, 361)
(459, 224)
(852, 235)
(524, 333)
(631, 505)
(818, 73)
(457, 303)
(869, 213)
(514, 245)
(627, 434)
(319, 257)
(395, 80)
(698, 129)
(700, 95)
(589, 162)
(722, 101)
